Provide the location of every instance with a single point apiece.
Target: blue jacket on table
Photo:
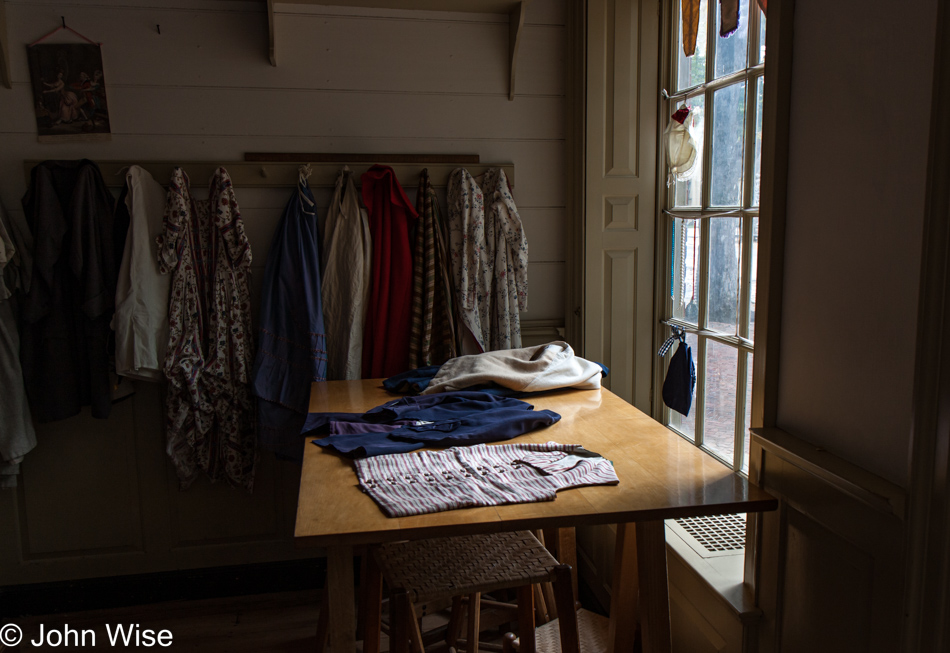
(446, 419)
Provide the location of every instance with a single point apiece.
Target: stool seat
(593, 630)
(441, 568)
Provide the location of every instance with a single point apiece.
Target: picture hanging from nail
(69, 92)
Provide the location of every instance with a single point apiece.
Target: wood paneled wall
(830, 574)
(98, 497)
(852, 392)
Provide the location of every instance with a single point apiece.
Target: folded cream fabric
(529, 369)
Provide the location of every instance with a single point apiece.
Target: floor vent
(718, 535)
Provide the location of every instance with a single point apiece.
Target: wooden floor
(278, 623)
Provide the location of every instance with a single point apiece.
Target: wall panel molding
(829, 561)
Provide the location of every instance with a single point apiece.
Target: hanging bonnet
(680, 147)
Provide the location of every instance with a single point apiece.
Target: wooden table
(662, 476)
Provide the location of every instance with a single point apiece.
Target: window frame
(663, 303)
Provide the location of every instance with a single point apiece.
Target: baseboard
(191, 584)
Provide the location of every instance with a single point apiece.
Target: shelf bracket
(270, 27)
(515, 27)
(5, 75)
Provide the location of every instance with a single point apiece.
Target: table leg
(342, 598)
(654, 587)
(624, 592)
(373, 597)
(567, 554)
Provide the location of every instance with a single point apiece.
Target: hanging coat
(209, 414)
(347, 255)
(17, 436)
(489, 258)
(432, 340)
(141, 314)
(292, 349)
(386, 335)
(66, 313)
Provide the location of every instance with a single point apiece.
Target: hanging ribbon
(678, 334)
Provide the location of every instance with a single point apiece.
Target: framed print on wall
(69, 92)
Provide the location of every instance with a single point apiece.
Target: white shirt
(141, 298)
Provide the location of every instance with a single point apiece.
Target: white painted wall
(97, 497)
(861, 86)
(348, 80)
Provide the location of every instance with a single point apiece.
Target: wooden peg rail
(284, 174)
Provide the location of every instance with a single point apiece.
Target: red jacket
(386, 333)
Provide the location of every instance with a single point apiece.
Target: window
(710, 225)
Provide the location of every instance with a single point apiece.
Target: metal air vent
(718, 535)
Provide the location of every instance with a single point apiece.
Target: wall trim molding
(870, 489)
(834, 542)
(140, 589)
(776, 108)
(927, 541)
(575, 180)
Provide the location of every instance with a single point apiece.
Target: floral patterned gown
(209, 412)
(489, 258)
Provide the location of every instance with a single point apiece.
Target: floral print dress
(489, 253)
(209, 412)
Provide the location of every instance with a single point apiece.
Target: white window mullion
(738, 456)
(699, 400)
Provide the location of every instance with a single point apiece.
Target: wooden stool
(443, 568)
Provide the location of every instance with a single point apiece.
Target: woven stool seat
(592, 630)
(444, 567)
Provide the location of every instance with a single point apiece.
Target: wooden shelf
(514, 9)
(282, 175)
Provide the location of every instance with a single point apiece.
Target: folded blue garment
(429, 408)
(409, 423)
(498, 425)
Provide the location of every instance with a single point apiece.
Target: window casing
(708, 229)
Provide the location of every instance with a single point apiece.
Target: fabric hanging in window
(728, 17)
(689, 9)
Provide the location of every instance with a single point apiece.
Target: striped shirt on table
(481, 475)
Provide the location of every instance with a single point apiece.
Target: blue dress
(292, 349)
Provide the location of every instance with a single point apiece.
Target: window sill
(722, 576)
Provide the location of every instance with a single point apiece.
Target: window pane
(731, 52)
(685, 424)
(754, 272)
(748, 413)
(689, 192)
(725, 242)
(761, 37)
(719, 416)
(691, 70)
(728, 138)
(684, 274)
(758, 141)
